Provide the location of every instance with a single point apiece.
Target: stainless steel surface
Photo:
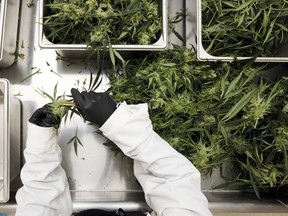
(4, 140)
(160, 44)
(8, 31)
(9, 139)
(282, 56)
(237, 202)
(110, 206)
(190, 24)
(96, 177)
(10, 208)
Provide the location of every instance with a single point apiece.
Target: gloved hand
(94, 107)
(43, 117)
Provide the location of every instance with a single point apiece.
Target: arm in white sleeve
(172, 185)
(45, 189)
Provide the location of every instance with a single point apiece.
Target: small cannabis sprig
(76, 142)
(63, 104)
(59, 105)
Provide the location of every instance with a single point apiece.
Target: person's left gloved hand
(43, 117)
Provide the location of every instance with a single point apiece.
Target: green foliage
(76, 142)
(214, 113)
(243, 28)
(99, 23)
(62, 105)
(59, 105)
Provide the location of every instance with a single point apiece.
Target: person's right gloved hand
(94, 107)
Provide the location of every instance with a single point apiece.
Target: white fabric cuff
(127, 123)
(120, 115)
(41, 139)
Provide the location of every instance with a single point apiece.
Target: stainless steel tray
(161, 44)
(8, 36)
(4, 140)
(202, 55)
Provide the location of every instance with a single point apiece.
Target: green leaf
(28, 77)
(117, 54)
(231, 4)
(270, 31)
(76, 141)
(241, 20)
(71, 140)
(232, 85)
(244, 5)
(283, 27)
(75, 145)
(122, 35)
(169, 64)
(45, 94)
(111, 54)
(240, 105)
(79, 141)
(55, 92)
(223, 84)
(254, 185)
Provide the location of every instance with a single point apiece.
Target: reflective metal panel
(8, 31)
(4, 140)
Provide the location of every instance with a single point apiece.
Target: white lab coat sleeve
(172, 185)
(45, 189)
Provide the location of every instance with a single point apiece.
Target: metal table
(97, 178)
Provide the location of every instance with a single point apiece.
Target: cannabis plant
(63, 107)
(243, 28)
(100, 23)
(60, 105)
(214, 114)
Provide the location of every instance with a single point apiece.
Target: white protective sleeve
(172, 185)
(45, 188)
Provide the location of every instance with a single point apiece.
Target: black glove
(43, 117)
(94, 107)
